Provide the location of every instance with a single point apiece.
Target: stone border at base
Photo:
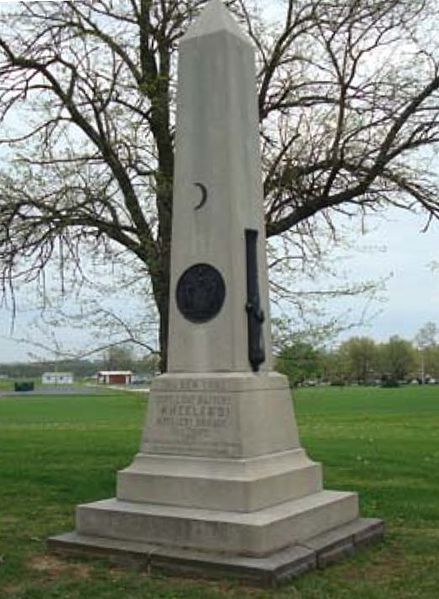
(271, 570)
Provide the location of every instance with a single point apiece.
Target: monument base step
(254, 533)
(317, 552)
(233, 485)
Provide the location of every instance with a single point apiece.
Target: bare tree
(426, 341)
(348, 104)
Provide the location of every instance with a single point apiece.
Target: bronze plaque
(201, 292)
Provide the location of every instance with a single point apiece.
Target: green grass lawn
(57, 452)
(6, 385)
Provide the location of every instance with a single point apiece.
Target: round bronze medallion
(200, 293)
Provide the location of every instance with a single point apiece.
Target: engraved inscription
(213, 385)
(194, 411)
(193, 416)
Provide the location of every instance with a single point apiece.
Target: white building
(57, 378)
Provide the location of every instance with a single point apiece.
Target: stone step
(255, 533)
(244, 485)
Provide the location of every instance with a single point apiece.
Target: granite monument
(221, 484)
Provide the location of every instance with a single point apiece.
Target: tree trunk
(161, 279)
(160, 285)
(164, 332)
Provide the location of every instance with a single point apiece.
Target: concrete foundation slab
(269, 570)
(338, 543)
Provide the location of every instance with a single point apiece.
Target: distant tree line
(115, 358)
(362, 360)
(357, 360)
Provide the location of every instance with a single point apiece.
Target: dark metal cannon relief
(255, 315)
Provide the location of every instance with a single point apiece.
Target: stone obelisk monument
(221, 483)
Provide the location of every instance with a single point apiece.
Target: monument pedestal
(222, 482)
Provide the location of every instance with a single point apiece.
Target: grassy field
(57, 452)
(6, 385)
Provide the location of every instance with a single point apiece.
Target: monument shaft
(217, 147)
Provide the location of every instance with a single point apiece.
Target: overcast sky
(411, 297)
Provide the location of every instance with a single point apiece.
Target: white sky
(411, 297)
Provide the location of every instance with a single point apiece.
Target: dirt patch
(11, 589)
(382, 566)
(388, 569)
(55, 567)
(231, 589)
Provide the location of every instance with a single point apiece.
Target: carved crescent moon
(204, 195)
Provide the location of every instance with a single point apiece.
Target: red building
(114, 377)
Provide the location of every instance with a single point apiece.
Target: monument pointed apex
(215, 18)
